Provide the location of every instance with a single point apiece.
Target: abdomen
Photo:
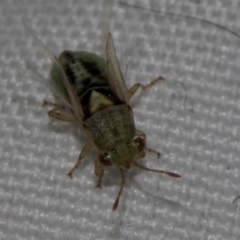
(85, 71)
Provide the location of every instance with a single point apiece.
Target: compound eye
(140, 143)
(104, 159)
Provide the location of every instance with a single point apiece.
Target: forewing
(114, 73)
(105, 24)
(77, 110)
(46, 82)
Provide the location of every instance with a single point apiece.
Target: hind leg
(57, 114)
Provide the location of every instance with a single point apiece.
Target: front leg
(141, 134)
(142, 138)
(99, 171)
(101, 161)
(86, 149)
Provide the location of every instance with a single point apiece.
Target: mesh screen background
(192, 119)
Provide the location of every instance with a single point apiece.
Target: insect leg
(136, 86)
(54, 113)
(158, 154)
(98, 170)
(172, 174)
(115, 205)
(86, 149)
(143, 135)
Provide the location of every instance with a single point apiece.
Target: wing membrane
(106, 23)
(114, 73)
(46, 82)
(113, 70)
(77, 110)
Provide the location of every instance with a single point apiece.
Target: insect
(93, 89)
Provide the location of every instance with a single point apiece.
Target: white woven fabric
(192, 119)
